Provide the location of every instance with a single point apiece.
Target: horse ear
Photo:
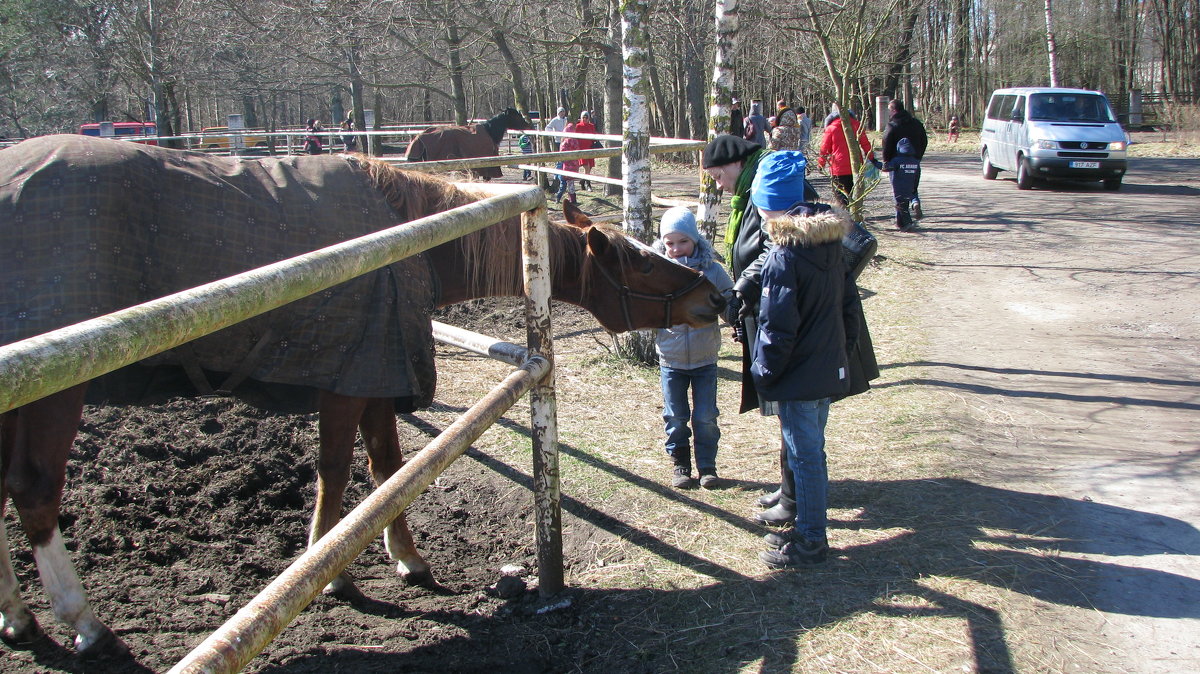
(575, 216)
(597, 242)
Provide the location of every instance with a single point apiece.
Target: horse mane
(415, 195)
(497, 125)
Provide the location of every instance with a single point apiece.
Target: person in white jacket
(687, 358)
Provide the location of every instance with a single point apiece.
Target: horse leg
(378, 428)
(18, 627)
(337, 425)
(34, 474)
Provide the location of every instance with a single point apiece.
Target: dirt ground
(1060, 322)
(1064, 320)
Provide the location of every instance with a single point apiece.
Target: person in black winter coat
(905, 170)
(903, 125)
(807, 325)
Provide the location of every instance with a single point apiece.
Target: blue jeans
(702, 413)
(803, 426)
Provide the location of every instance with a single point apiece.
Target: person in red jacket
(835, 155)
(584, 125)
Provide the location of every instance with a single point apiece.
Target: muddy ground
(1063, 318)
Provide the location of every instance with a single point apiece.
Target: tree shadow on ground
(922, 536)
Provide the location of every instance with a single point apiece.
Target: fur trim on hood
(811, 230)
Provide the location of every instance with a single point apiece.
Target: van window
(1002, 107)
(1019, 108)
(1055, 107)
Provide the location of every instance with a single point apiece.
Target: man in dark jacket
(903, 125)
(737, 122)
(807, 322)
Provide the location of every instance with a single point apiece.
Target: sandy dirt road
(1064, 321)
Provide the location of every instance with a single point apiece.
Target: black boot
(768, 500)
(783, 511)
(781, 514)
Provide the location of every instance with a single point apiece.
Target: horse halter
(626, 293)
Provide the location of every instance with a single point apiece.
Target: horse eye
(647, 264)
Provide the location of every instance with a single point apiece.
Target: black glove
(734, 309)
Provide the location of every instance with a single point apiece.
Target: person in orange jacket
(835, 155)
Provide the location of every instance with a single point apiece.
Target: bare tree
(720, 96)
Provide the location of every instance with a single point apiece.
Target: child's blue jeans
(702, 413)
(803, 426)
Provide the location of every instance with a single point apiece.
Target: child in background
(905, 169)
(526, 148)
(687, 357)
(955, 127)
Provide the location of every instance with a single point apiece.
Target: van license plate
(1085, 164)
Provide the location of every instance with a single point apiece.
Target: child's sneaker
(915, 207)
(709, 479)
(683, 477)
(798, 551)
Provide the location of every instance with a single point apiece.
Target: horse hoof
(423, 578)
(105, 645)
(343, 588)
(22, 637)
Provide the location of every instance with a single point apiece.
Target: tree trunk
(458, 94)
(720, 95)
(1051, 49)
(613, 79)
(520, 97)
(635, 159)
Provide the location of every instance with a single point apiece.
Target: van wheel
(1024, 180)
(989, 171)
(1112, 184)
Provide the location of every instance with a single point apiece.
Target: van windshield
(1069, 108)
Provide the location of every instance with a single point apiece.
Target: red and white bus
(124, 130)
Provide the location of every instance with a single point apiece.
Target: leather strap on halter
(625, 293)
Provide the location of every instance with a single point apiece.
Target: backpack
(749, 133)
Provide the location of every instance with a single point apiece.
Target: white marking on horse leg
(66, 592)
(16, 622)
(399, 543)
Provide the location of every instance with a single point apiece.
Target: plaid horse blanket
(89, 226)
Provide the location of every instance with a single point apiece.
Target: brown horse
(462, 142)
(82, 184)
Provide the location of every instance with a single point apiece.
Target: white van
(1043, 132)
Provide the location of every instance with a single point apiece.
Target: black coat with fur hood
(808, 312)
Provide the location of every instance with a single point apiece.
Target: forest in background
(190, 63)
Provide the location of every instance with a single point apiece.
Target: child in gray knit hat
(687, 358)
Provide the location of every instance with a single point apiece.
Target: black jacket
(808, 311)
(904, 125)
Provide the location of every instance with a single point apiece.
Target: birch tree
(720, 96)
(635, 159)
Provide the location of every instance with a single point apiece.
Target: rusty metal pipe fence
(40, 366)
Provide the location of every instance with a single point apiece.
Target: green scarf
(740, 201)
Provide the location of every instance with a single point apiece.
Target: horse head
(515, 120)
(628, 286)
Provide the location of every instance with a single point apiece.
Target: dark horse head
(509, 118)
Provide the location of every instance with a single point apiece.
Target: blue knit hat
(679, 219)
(904, 146)
(779, 182)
